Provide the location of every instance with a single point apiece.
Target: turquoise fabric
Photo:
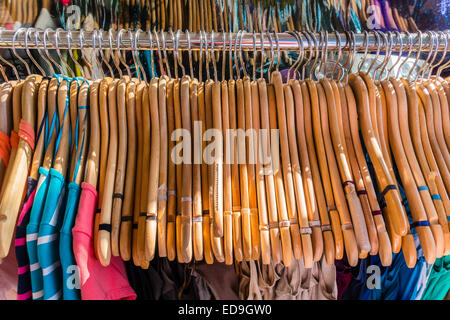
(70, 289)
(438, 285)
(48, 238)
(37, 285)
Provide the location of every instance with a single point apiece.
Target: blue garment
(37, 285)
(70, 291)
(48, 238)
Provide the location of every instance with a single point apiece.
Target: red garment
(97, 282)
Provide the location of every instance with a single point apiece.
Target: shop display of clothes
(224, 173)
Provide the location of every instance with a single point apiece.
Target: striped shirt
(48, 237)
(23, 263)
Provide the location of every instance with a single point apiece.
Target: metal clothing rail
(245, 41)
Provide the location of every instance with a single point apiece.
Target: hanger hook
(377, 36)
(88, 63)
(175, 53)
(135, 54)
(160, 59)
(240, 55)
(113, 55)
(188, 37)
(386, 43)
(254, 56)
(121, 59)
(59, 52)
(277, 42)
(425, 63)
(230, 54)
(352, 53)
(272, 54)
(224, 57)
(442, 67)
(36, 40)
(263, 51)
(238, 69)
(69, 48)
(311, 53)
(206, 55)
(179, 56)
(14, 50)
(407, 56)
(366, 50)
(400, 51)
(420, 34)
(431, 65)
(48, 54)
(317, 50)
(443, 54)
(347, 62)
(299, 56)
(339, 53)
(99, 34)
(200, 59)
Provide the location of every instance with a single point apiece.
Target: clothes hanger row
(313, 195)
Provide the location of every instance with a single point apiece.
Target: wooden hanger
(126, 222)
(227, 188)
(288, 239)
(138, 198)
(119, 182)
(424, 189)
(197, 213)
(381, 244)
(344, 128)
(235, 184)
(434, 181)
(92, 158)
(391, 196)
(279, 236)
(315, 206)
(352, 247)
(146, 140)
(206, 230)
(16, 116)
(263, 224)
(178, 126)
(6, 124)
(151, 219)
(171, 176)
(163, 166)
(313, 129)
(249, 156)
(186, 178)
(445, 112)
(243, 173)
(217, 242)
(295, 195)
(427, 104)
(416, 206)
(340, 150)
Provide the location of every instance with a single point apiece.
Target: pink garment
(97, 282)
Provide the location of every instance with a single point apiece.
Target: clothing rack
(245, 41)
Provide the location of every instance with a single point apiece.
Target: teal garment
(48, 237)
(438, 285)
(70, 276)
(37, 285)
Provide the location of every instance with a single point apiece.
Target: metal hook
(272, 54)
(113, 56)
(240, 55)
(179, 56)
(399, 40)
(418, 53)
(29, 53)
(407, 56)
(135, 54)
(299, 56)
(206, 54)
(69, 48)
(277, 68)
(59, 52)
(425, 63)
(160, 59)
(366, 49)
(386, 55)
(213, 56)
(188, 36)
(99, 34)
(443, 54)
(317, 49)
(311, 53)
(224, 57)
(377, 36)
(352, 47)
(263, 51)
(431, 65)
(238, 71)
(230, 54)
(200, 59)
(48, 54)
(347, 62)
(11, 66)
(119, 40)
(175, 53)
(36, 40)
(81, 51)
(254, 56)
(339, 54)
(14, 49)
(442, 67)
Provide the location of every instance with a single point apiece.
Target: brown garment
(277, 282)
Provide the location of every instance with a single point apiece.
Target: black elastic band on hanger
(135, 225)
(348, 182)
(143, 214)
(381, 199)
(178, 213)
(377, 212)
(118, 196)
(151, 217)
(105, 227)
(98, 210)
(361, 192)
(126, 218)
(420, 224)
